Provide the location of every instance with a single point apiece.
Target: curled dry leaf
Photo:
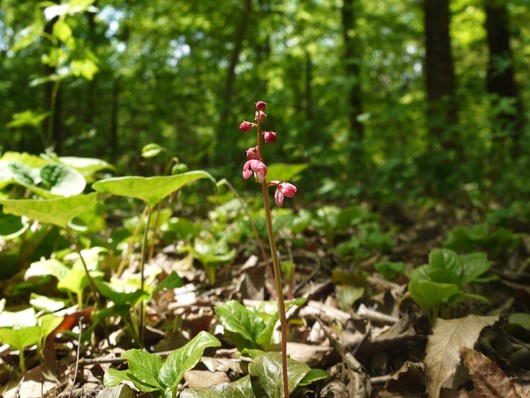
(488, 379)
(448, 338)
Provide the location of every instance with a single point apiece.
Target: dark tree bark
(442, 112)
(353, 71)
(501, 76)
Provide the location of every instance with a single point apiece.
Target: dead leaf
(409, 380)
(308, 354)
(204, 378)
(449, 337)
(488, 379)
(121, 391)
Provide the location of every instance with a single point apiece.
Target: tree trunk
(353, 73)
(442, 113)
(501, 76)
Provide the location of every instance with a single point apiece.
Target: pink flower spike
(287, 189)
(245, 126)
(261, 105)
(260, 115)
(270, 137)
(278, 197)
(252, 153)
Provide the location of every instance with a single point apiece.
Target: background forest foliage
(392, 100)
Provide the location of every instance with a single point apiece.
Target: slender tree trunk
(442, 112)
(227, 95)
(501, 81)
(53, 102)
(353, 73)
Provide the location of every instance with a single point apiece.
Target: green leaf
(241, 388)
(237, 318)
(113, 377)
(149, 189)
(60, 180)
(18, 319)
(347, 295)
(171, 281)
(47, 304)
(47, 267)
(88, 167)
(11, 226)
(446, 259)
(144, 369)
(75, 281)
(62, 31)
(57, 211)
(48, 323)
(185, 358)
(120, 292)
(267, 369)
(390, 269)
(431, 295)
(285, 172)
(151, 150)
(20, 338)
(474, 265)
(314, 375)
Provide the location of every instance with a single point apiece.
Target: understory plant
(255, 167)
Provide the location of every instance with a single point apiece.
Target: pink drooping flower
(260, 115)
(245, 126)
(255, 167)
(261, 105)
(252, 153)
(283, 189)
(270, 137)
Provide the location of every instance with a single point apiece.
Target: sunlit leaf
(284, 171)
(149, 189)
(241, 388)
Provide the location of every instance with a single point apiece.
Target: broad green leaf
(47, 304)
(48, 323)
(241, 388)
(267, 369)
(47, 267)
(25, 158)
(60, 180)
(57, 211)
(431, 295)
(520, 318)
(11, 226)
(347, 295)
(16, 172)
(285, 172)
(88, 167)
(151, 150)
(144, 367)
(18, 319)
(20, 338)
(27, 118)
(446, 259)
(62, 30)
(474, 265)
(171, 281)
(390, 269)
(149, 189)
(185, 358)
(113, 377)
(237, 318)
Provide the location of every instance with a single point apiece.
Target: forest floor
(360, 326)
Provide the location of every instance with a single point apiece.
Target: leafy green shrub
(481, 237)
(441, 284)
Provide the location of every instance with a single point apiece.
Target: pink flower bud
(261, 105)
(245, 126)
(284, 189)
(255, 167)
(270, 137)
(260, 115)
(252, 153)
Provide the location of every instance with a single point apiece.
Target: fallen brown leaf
(488, 379)
(448, 338)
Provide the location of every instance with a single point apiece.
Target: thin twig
(78, 354)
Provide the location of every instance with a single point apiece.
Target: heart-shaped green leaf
(238, 389)
(20, 338)
(149, 189)
(57, 211)
(185, 358)
(267, 369)
(431, 295)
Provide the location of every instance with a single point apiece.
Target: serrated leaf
(241, 388)
(448, 338)
(144, 368)
(57, 211)
(149, 189)
(267, 369)
(185, 358)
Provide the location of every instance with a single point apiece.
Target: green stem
(22, 360)
(142, 276)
